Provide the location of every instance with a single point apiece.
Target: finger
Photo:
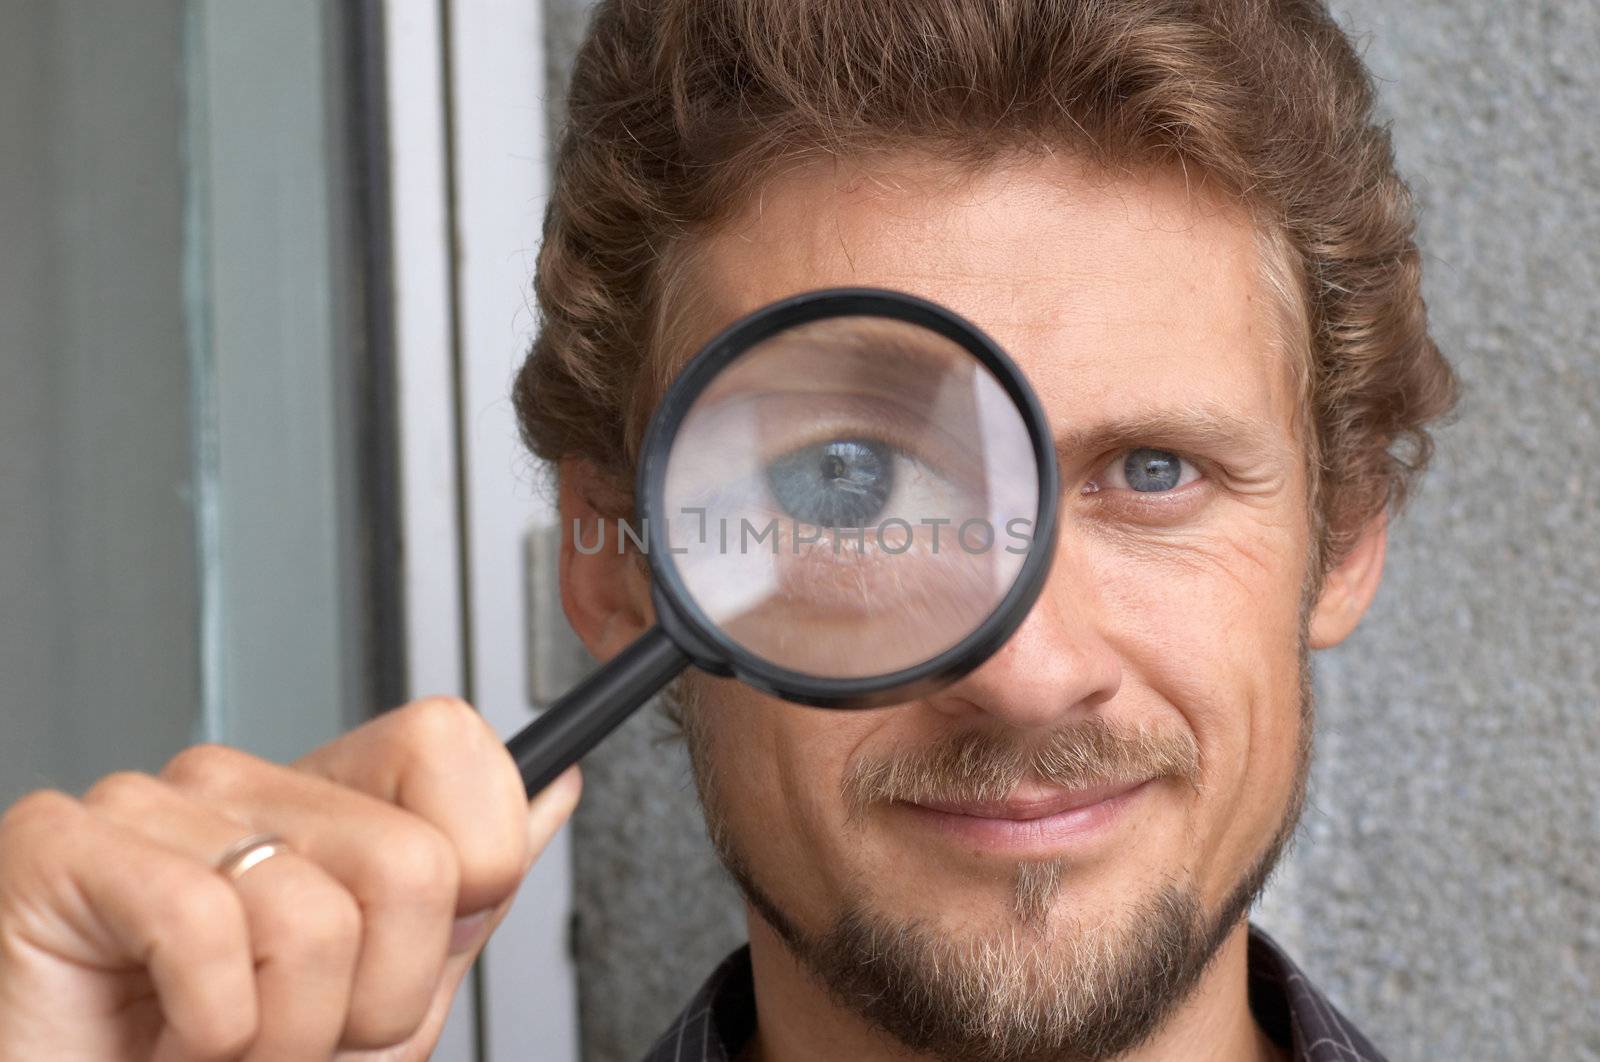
(551, 808)
(305, 927)
(426, 1036)
(437, 758)
(400, 869)
(103, 897)
(473, 932)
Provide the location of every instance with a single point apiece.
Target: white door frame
(468, 149)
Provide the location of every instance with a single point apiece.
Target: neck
(798, 1020)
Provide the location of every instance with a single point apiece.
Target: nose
(1056, 665)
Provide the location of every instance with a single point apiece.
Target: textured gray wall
(1446, 888)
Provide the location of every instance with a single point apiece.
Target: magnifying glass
(847, 499)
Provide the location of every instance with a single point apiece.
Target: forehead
(1129, 292)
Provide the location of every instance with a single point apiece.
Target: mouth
(1033, 820)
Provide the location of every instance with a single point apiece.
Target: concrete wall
(1446, 889)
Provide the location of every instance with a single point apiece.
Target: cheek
(1207, 627)
(1206, 609)
(777, 770)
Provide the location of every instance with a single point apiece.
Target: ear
(604, 590)
(1350, 586)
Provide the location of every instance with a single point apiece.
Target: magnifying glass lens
(850, 497)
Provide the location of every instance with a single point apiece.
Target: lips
(1032, 803)
(1033, 820)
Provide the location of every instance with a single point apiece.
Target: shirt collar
(722, 1015)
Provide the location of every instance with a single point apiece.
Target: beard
(1051, 986)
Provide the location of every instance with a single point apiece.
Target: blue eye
(839, 483)
(1149, 470)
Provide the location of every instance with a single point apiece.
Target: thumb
(550, 809)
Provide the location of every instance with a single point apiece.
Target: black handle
(577, 721)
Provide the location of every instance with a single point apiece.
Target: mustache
(989, 764)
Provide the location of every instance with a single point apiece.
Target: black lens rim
(710, 649)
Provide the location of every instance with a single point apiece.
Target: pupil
(1152, 470)
(838, 483)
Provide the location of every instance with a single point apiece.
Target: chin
(1034, 897)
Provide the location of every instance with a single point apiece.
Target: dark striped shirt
(721, 1017)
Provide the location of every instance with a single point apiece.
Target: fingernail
(466, 931)
(550, 807)
(568, 783)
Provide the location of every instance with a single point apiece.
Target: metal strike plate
(557, 659)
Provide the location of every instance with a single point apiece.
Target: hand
(407, 838)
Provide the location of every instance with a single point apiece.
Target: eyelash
(1151, 506)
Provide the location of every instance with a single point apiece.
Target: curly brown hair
(679, 108)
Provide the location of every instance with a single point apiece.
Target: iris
(1152, 470)
(838, 483)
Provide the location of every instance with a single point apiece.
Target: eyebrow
(885, 346)
(889, 355)
(1182, 429)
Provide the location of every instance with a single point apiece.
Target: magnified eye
(1149, 471)
(837, 483)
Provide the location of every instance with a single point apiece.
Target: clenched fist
(403, 844)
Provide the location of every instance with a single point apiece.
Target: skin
(1127, 301)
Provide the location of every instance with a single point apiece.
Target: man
(1181, 223)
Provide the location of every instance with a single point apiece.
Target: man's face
(1173, 614)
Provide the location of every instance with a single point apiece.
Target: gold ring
(248, 852)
